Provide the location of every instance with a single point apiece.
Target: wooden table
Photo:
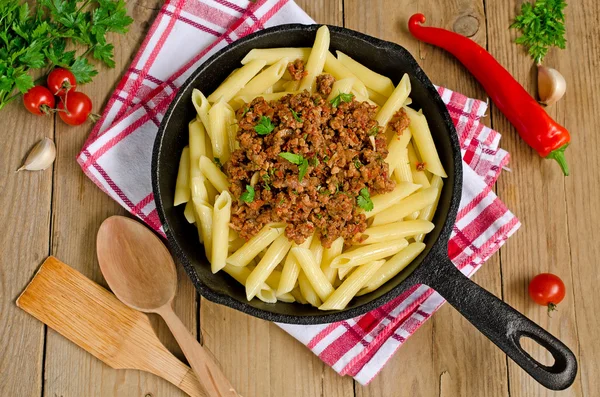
(59, 211)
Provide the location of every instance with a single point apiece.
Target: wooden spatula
(95, 320)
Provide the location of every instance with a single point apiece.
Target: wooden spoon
(141, 273)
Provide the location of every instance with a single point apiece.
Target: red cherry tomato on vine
(546, 289)
(39, 100)
(78, 108)
(61, 81)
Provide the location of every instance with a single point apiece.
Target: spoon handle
(209, 374)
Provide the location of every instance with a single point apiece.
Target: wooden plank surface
(59, 211)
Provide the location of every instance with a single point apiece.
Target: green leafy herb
(248, 195)
(364, 200)
(374, 130)
(218, 162)
(326, 158)
(264, 126)
(37, 38)
(319, 216)
(314, 161)
(246, 110)
(297, 159)
(304, 136)
(327, 192)
(281, 201)
(298, 119)
(335, 102)
(542, 25)
(357, 163)
(267, 179)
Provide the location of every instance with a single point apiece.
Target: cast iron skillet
(502, 324)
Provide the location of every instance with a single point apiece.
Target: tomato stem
(551, 307)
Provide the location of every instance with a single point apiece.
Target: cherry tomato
(546, 289)
(78, 108)
(39, 100)
(61, 81)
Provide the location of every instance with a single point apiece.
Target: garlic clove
(41, 156)
(551, 85)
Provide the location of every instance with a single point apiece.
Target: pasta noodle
(265, 79)
(204, 218)
(368, 253)
(384, 201)
(328, 254)
(372, 80)
(236, 81)
(428, 212)
(313, 272)
(341, 86)
(275, 254)
(424, 141)
(291, 270)
(345, 292)
(417, 174)
(407, 206)
(394, 102)
(339, 72)
(218, 120)
(220, 231)
(396, 230)
(252, 247)
(188, 212)
(392, 267)
(202, 108)
(307, 291)
(240, 274)
(182, 184)
(316, 59)
(216, 177)
(273, 55)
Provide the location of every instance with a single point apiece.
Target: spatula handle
(209, 374)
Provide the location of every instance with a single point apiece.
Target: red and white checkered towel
(118, 153)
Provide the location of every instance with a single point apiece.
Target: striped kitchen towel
(117, 157)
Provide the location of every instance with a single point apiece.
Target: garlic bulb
(41, 156)
(551, 85)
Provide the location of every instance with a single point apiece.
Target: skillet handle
(505, 326)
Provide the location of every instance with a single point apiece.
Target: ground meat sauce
(400, 122)
(335, 141)
(324, 83)
(296, 69)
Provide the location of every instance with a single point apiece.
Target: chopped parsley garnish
(246, 110)
(357, 163)
(296, 116)
(314, 161)
(364, 200)
(267, 179)
(374, 130)
(248, 195)
(319, 216)
(326, 158)
(281, 201)
(218, 162)
(335, 102)
(304, 136)
(297, 159)
(264, 126)
(326, 191)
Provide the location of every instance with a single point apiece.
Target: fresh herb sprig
(297, 159)
(341, 97)
(248, 195)
(364, 200)
(542, 25)
(264, 126)
(37, 38)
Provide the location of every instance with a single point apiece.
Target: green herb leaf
(217, 162)
(374, 130)
(364, 200)
(298, 119)
(357, 163)
(302, 169)
(292, 158)
(542, 26)
(335, 102)
(246, 110)
(248, 195)
(314, 161)
(104, 53)
(267, 179)
(23, 82)
(264, 126)
(83, 71)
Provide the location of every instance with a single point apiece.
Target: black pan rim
(438, 248)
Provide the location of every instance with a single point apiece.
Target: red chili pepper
(533, 124)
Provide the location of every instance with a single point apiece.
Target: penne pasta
(182, 184)
(407, 206)
(328, 254)
(235, 245)
(220, 231)
(313, 272)
(344, 271)
(287, 298)
(424, 141)
(428, 212)
(368, 253)
(392, 267)
(402, 171)
(188, 212)
(291, 86)
(340, 298)
(211, 172)
(236, 81)
(219, 118)
(240, 274)
(394, 102)
(256, 244)
(204, 217)
(308, 292)
(273, 55)
(291, 270)
(278, 86)
(316, 59)
(341, 86)
(297, 295)
(396, 230)
(202, 108)
(379, 83)
(275, 254)
(383, 201)
(339, 72)
(360, 98)
(397, 154)
(264, 80)
(377, 97)
(417, 174)
(317, 248)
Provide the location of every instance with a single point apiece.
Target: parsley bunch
(542, 25)
(37, 38)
